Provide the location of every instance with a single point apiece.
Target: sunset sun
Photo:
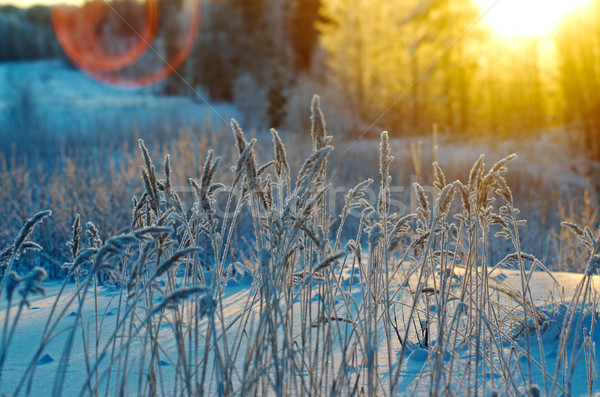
(526, 18)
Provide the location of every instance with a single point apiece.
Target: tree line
(399, 65)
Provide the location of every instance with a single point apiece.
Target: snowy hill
(52, 98)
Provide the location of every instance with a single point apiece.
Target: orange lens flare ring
(114, 45)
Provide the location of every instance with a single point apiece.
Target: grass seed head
(281, 162)
(312, 167)
(94, 239)
(593, 266)
(385, 157)
(238, 134)
(75, 239)
(439, 179)
(442, 205)
(318, 130)
(500, 165)
(476, 173)
(27, 229)
(375, 235)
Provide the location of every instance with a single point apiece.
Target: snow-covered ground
(56, 99)
(548, 295)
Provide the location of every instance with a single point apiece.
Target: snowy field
(103, 312)
(54, 99)
(289, 294)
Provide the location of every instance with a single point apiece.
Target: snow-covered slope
(53, 98)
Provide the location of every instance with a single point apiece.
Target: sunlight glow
(31, 3)
(526, 18)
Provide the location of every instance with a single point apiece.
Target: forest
(402, 66)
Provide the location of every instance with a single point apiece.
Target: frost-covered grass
(97, 179)
(411, 303)
(75, 151)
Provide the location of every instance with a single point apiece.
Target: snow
(546, 292)
(56, 99)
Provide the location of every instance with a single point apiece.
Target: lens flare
(128, 42)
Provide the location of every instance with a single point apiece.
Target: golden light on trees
(515, 19)
(31, 3)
